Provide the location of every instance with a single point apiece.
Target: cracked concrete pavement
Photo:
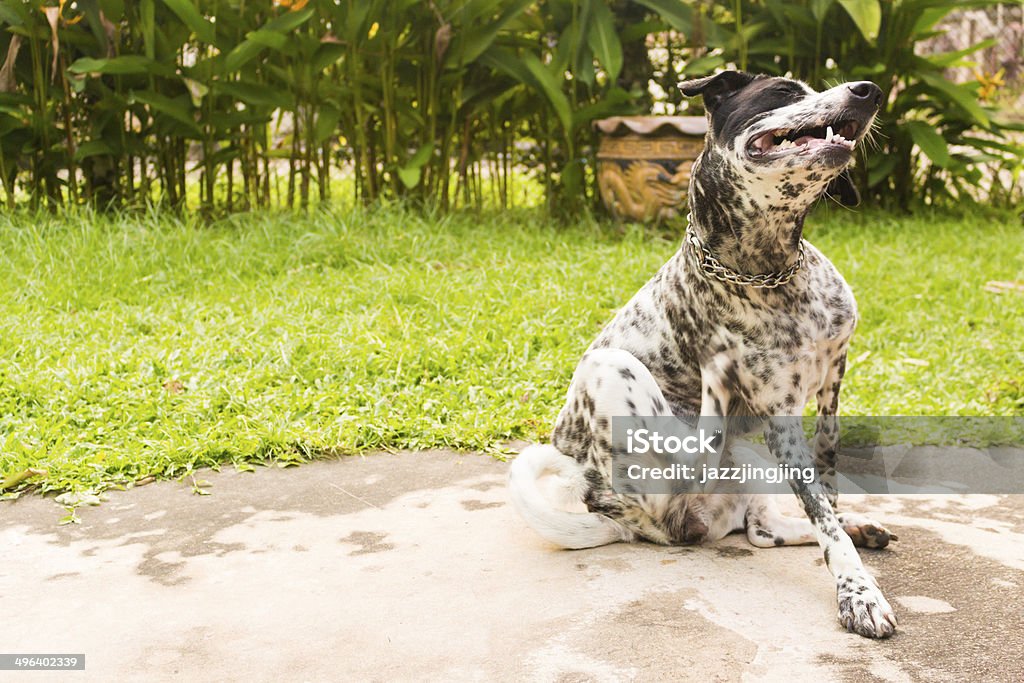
(414, 567)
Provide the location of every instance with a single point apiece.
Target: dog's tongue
(810, 141)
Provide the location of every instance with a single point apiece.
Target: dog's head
(781, 138)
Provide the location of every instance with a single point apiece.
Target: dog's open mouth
(783, 141)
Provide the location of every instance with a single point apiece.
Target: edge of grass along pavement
(140, 347)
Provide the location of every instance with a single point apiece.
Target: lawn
(141, 346)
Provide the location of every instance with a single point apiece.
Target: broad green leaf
(14, 13)
(948, 59)
(478, 40)
(327, 117)
(354, 27)
(980, 143)
(12, 119)
(91, 148)
(551, 86)
(241, 55)
(604, 40)
(678, 14)
(569, 44)
(422, 155)
(197, 90)
(410, 177)
(147, 17)
(126, 65)
(16, 99)
(255, 94)
(930, 142)
(327, 54)
(579, 28)
(257, 40)
(529, 71)
(819, 8)
(616, 102)
(562, 57)
(410, 173)
(289, 21)
(175, 109)
(928, 18)
(703, 65)
(268, 38)
(962, 95)
(192, 18)
(585, 70)
(866, 14)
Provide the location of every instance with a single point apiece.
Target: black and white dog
(746, 319)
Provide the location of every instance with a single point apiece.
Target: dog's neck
(748, 229)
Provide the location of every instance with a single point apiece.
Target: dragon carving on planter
(643, 190)
(644, 164)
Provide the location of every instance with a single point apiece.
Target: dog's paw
(864, 532)
(864, 610)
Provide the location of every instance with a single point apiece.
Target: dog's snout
(866, 91)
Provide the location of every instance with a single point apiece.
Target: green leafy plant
(233, 104)
(935, 140)
(417, 100)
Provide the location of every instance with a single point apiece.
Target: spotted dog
(746, 319)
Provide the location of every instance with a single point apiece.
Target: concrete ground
(414, 567)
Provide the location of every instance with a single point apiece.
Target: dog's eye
(786, 90)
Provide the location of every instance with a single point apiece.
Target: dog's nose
(867, 92)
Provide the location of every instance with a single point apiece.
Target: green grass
(137, 346)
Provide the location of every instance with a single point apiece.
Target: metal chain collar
(713, 267)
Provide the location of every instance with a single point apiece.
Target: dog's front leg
(862, 607)
(826, 435)
(718, 378)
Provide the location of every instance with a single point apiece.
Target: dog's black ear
(843, 189)
(716, 88)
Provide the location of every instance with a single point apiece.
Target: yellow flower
(989, 84)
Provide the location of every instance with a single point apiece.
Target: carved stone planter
(644, 162)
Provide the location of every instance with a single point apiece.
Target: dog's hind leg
(607, 383)
(767, 527)
(610, 383)
(864, 531)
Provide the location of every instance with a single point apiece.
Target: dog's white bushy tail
(566, 529)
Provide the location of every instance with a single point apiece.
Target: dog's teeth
(828, 133)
